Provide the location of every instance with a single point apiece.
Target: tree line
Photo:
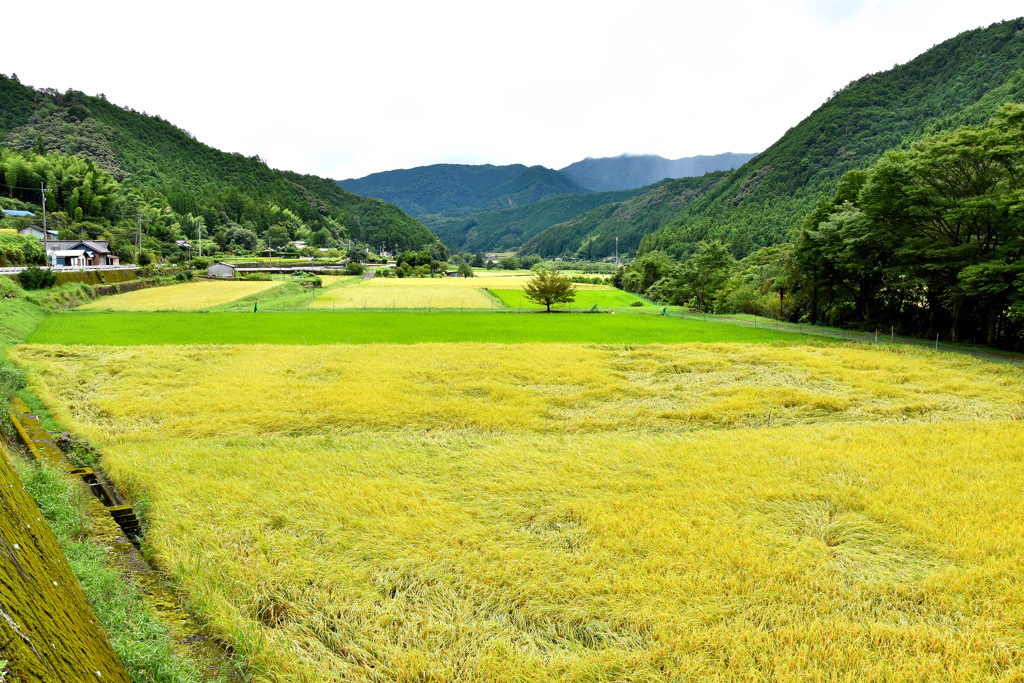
(927, 240)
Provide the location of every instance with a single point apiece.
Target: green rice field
(585, 299)
(356, 327)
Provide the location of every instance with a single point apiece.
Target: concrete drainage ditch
(118, 529)
(42, 447)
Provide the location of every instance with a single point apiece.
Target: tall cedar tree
(548, 287)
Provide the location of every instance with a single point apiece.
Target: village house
(37, 232)
(81, 253)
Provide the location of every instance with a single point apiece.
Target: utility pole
(42, 191)
(46, 236)
(616, 252)
(138, 236)
(200, 223)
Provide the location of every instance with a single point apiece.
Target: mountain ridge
(462, 189)
(630, 171)
(960, 81)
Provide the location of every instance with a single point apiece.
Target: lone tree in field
(548, 287)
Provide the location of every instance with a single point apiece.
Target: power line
(34, 189)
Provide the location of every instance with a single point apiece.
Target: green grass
(585, 299)
(357, 327)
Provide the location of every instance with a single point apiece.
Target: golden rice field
(433, 526)
(372, 294)
(142, 393)
(189, 296)
(449, 292)
(889, 552)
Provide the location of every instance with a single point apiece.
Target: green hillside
(159, 165)
(463, 189)
(962, 81)
(592, 235)
(510, 228)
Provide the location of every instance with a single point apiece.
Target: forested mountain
(592, 235)
(629, 171)
(165, 173)
(510, 228)
(463, 189)
(961, 81)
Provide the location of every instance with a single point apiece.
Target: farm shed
(221, 269)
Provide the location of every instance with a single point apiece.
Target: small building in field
(37, 232)
(220, 269)
(81, 253)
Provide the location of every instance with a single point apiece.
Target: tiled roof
(98, 246)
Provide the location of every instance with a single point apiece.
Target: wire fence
(878, 336)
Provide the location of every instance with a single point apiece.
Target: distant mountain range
(484, 207)
(629, 171)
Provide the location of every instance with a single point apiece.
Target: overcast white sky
(345, 89)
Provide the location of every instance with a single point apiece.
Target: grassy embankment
(402, 327)
(435, 526)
